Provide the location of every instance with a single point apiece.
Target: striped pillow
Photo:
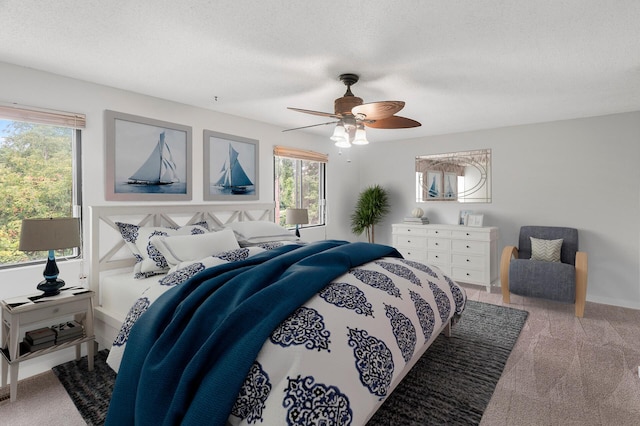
(545, 250)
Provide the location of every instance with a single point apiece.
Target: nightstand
(18, 313)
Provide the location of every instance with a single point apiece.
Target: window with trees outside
(299, 177)
(39, 174)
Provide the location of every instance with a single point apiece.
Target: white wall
(580, 173)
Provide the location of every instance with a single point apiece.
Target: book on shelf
(27, 346)
(40, 336)
(67, 331)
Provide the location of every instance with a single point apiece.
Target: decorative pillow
(185, 270)
(259, 231)
(149, 261)
(183, 248)
(545, 250)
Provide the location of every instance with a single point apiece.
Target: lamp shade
(297, 216)
(49, 234)
(361, 136)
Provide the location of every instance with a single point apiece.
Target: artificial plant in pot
(372, 206)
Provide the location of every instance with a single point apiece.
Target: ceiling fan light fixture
(343, 143)
(339, 133)
(361, 136)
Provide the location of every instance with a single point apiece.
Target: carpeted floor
(451, 384)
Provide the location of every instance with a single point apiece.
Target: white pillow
(149, 261)
(183, 248)
(546, 250)
(259, 231)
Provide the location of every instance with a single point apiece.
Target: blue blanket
(189, 354)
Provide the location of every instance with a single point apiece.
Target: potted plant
(372, 206)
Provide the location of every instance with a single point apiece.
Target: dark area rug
(90, 391)
(453, 381)
(450, 385)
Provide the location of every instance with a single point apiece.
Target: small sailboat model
(159, 169)
(232, 176)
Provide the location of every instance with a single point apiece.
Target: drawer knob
(467, 233)
(437, 257)
(468, 274)
(467, 246)
(468, 260)
(408, 241)
(436, 243)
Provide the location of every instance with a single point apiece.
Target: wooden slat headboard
(106, 245)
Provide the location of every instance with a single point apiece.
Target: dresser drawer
(410, 230)
(444, 233)
(438, 257)
(471, 235)
(469, 246)
(413, 254)
(468, 275)
(468, 261)
(439, 244)
(410, 241)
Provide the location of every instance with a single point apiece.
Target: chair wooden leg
(507, 253)
(581, 282)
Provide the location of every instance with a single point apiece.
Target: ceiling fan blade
(313, 125)
(393, 122)
(321, 114)
(378, 110)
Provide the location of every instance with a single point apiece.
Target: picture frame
(475, 220)
(231, 169)
(450, 186)
(463, 217)
(146, 159)
(434, 185)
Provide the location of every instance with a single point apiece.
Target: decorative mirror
(455, 176)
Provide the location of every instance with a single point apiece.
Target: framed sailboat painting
(230, 167)
(147, 159)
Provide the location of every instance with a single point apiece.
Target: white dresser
(466, 254)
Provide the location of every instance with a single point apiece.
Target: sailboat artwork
(232, 177)
(147, 159)
(158, 169)
(434, 182)
(450, 186)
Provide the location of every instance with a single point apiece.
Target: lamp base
(51, 287)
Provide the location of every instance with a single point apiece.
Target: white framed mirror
(463, 176)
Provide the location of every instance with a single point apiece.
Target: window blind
(43, 116)
(300, 154)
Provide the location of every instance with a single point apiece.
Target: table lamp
(297, 217)
(50, 234)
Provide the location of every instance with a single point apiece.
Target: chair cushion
(548, 280)
(545, 250)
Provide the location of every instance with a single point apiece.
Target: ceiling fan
(353, 115)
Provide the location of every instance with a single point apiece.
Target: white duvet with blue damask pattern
(340, 354)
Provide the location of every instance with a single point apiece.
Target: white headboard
(106, 245)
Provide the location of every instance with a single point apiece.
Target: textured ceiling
(458, 65)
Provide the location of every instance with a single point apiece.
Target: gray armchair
(563, 281)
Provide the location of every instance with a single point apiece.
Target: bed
(275, 331)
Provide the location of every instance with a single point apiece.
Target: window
(39, 174)
(299, 177)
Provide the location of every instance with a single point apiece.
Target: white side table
(18, 313)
